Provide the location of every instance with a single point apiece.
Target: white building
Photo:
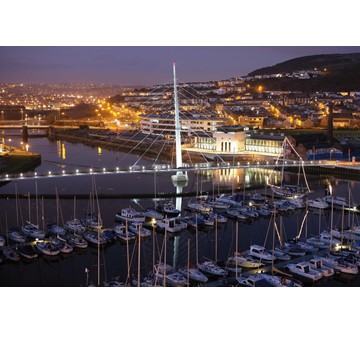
(229, 139)
(165, 124)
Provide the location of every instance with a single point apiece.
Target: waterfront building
(265, 143)
(238, 139)
(229, 139)
(164, 124)
(315, 146)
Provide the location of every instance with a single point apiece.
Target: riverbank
(14, 161)
(150, 147)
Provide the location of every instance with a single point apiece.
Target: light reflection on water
(69, 270)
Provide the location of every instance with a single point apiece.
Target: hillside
(342, 73)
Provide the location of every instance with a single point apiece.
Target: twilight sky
(142, 65)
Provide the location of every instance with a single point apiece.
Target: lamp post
(331, 151)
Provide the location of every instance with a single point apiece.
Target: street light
(331, 151)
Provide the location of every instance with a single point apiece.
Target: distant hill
(342, 73)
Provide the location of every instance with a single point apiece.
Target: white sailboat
(285, 190)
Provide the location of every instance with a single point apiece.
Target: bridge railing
(155, 168)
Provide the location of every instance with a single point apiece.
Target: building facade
(265, 143)
(190, 124)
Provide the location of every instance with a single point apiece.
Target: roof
(185, 116)
(227, 129)
(317, 145)
(309, 138)
(203, 134)
(260, 136)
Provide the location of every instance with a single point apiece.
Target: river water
(69, 270)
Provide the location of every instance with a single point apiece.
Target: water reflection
(238, 177)
(70, 270)
(61, 149)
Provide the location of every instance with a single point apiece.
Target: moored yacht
(212, 269)
(253, 280)
(327, 238)
(167, 272)
(47, 248)
(91, 221)
(75, 226)
(122, 234)
(10, 254)
(130, 215)
(95, 237)
(260, 253)
(33, 231)
(317, 264)
(280, 255)
(55, 229)
(63, 246)
(277, 281)
(169, 225)
(317, 203)
(152, 214)
(337, 201)
(303, 270)
(77, 241)
(17, 236)
(245, 261)
(168, 209)
(199, 207)
(27, 251)
(137, 229)
(194, 275)
(339, 264)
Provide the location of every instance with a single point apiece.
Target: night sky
(132, 66)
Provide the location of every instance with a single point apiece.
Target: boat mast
(139, 253)
(188, 264)
(196, 241)
(164, 282)
(331, 220)
(349, 207)
(216, 237)
(74, 206)
(17, 206)
(273, 241)
(36, 203)
(29, 207)
(127, 252)
(236, 249)
(57, 207)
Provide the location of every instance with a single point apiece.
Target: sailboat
(211, 268)
(14, 233)
(30, 229)
(285, 190)
(9, 253)
(191, 273)
(55, 228)
(92, 220)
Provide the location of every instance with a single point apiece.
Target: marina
(214, 242)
